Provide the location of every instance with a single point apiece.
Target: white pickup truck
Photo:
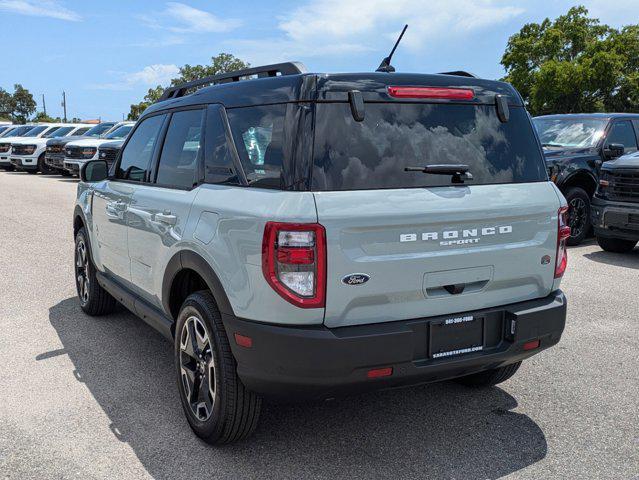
(21, 132)
(80, 151)
(27, 154)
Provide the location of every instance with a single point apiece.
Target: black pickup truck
(576, 146)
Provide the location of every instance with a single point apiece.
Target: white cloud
(149, 76)
(42, 8)
(181, 18)
(363, 21)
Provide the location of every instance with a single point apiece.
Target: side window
(81, 131)
(136, 157)
(258, 133)
(218, 164)
(181, 150)
(623, 133)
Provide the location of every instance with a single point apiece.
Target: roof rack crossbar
(287, 68)
(459, 73)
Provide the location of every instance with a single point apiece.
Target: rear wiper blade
(459, 172)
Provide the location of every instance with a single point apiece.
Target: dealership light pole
(64, 105)
(44, 105)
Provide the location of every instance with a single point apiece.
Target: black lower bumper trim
(319, 362)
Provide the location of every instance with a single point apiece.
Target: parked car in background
(23, 131)
(615, 207)
(109, 151)
(575, 147)
(27, 154)
(80, 151)
(54, 155)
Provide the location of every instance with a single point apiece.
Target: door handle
(115, 208)
(166, 218)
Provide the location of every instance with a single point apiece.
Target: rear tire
(616, 245)
(217, 405)
(491, 377)
(578, 215)
(94, 300)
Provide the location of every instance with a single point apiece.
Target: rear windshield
(350, 155)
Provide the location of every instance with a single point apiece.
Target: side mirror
(613, 150)
(94, 171)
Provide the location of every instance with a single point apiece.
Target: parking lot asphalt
(84, 397)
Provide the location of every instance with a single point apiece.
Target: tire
(94, 300)
(64, 173)
(8, 168)
(43, 167)
(491, 377)
(578, 215)
(616, 245)
(31, 172)
(227, 412)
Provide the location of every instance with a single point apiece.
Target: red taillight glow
(243, 340)
(380, 372)
(432, 92)
(563, 233)
(531, 345)
(294, 262)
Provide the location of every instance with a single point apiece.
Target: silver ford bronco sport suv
(313, 235)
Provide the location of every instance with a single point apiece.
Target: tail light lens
(563, 233)
(294, 262)
(432, 92)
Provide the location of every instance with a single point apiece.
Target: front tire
(616, 245)
(43, 167)
(217, 405)
(578, 215)
(491, 377)
(94, 300)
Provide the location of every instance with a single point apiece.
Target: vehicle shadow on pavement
(442, 431)
(627, 260)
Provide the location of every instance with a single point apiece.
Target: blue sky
(106, 54)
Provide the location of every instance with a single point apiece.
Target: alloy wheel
(577, 216)
(82, 271)
(197, 368)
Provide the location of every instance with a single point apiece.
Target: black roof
(333, 87)
(606, 116)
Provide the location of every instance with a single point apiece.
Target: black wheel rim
(82, 271)
(577, 217)
(197, 368)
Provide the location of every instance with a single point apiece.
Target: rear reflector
(243, 341)
(531, 345)
(432, 92)
(380, 372)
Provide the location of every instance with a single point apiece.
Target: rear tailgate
(434, 251)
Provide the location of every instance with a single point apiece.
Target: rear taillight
(563, 233)
(294, 262)
(432, 92)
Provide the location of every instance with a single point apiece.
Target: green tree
(574, 64)
(224, 62)
(23, 104)
(42, 117)
(6, 105)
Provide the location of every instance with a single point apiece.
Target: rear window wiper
(459, 172)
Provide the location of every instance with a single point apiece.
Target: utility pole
(44, 106)
(64, 105)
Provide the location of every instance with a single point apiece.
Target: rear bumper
(615, 219)
(318, 362)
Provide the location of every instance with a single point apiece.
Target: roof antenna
(386, 66)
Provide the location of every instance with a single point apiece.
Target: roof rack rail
(459, 73)
(287, 68)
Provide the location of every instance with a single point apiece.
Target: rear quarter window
(372, 154)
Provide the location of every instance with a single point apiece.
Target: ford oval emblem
(355, 279)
